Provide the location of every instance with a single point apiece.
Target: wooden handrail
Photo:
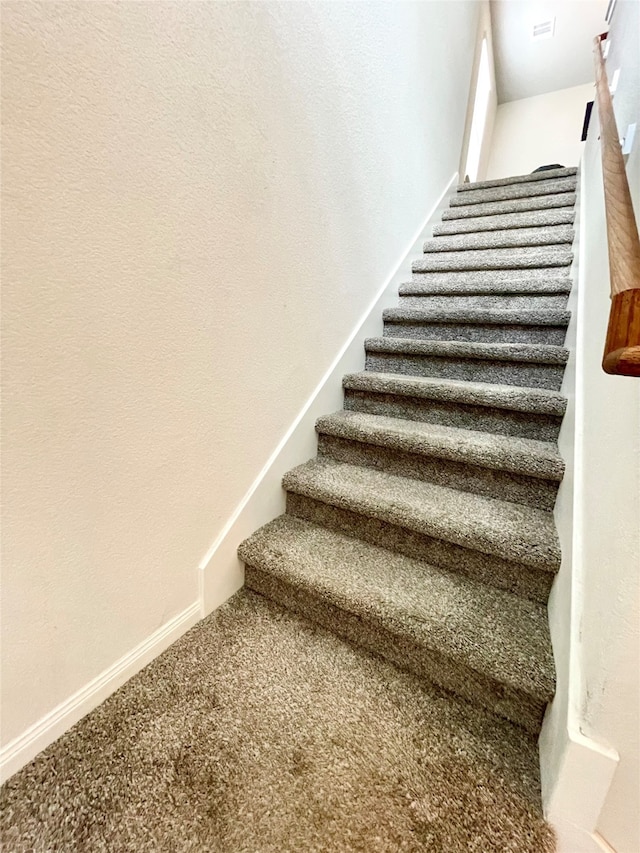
(622, 347)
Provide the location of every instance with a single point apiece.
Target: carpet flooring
(258, 732)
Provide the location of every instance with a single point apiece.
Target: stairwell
(423, 535)
(423, 531)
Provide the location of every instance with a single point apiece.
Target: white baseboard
(26, 746)
(223, 574)
(573, 839)
(584, 778)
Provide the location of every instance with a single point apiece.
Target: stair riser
(379, 639)
(514, 301)
(493, 208)
(522, 374)
(492, 483)
(482, 418)
(554, 335)
(533, 189)
(512, 239)
(483, 224)
(512, 576)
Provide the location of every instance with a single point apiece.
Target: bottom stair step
(260, 731)
(489, 647)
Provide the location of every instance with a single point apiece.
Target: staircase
(423, 534)
(423, 531)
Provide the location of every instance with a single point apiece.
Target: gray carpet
(513, 205)
(526, 364)
(416, 555)
(435, 486)
(505, 239)
(519, 258)
(260, 733)
(548, 174)
(527, 219)
(471, 194)
(477, 324)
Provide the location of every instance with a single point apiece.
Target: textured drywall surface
(604, 683)
(537, 131)
(610, 623)
(200, 200)
(610, 628)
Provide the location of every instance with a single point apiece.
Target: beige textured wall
(610, 624)
(595, 603)
(536, 131)
(200, 199)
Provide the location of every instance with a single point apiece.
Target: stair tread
(507, 530)
(492, 395)
(487, 284)
(506, 221)
(491, 259)
(548, 235)
(489, 316)
(487, 450)
(492, 632)
(547, 175)
(507, 192)
(490, 208)
(530, 353)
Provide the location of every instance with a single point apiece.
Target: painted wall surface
(537, 131)
(200, 200)
(610, 625)
(610, 628)
(595, 603)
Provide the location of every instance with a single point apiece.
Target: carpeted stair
(261, 732)
(423, 531)
(490, 207)
(379, 683)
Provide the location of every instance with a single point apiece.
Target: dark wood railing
(622, 347)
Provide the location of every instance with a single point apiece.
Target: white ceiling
(524, 67)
